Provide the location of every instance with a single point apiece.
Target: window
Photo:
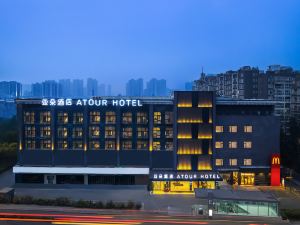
(141, 118)
(110, 145)
(127, 118)
(232, 144)
(63, 144)
(127, 132)
(169, 118)
(45, 117)
(77, 145)
(248, 129)
(247, 144)
(94, 131)
(77, 132)
(233, 162)
(46, 144)
(169, 146)
(169, 132)
(29, 131)
(78, 118)
(157, 117)
(247, 162)
(94, 145)
(62, 118)
(110, 117)
(219, 144)
(219, 162)
(62, 132)
(110, 132)
(126, 145)
(219, 129)
(142, 132)
(29, 117)
(45, 131)
(156, 145)
(156, 132)
(30, 144)
(142, 145)
(232, 129)
(94, 117)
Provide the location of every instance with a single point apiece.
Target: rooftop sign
(91, 102)
(176, 175)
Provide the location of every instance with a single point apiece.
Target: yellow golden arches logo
(276, 161)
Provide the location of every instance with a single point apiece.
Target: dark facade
(173, 144)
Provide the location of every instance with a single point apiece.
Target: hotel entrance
(247, 178)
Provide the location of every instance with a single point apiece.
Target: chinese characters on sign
(91, 102)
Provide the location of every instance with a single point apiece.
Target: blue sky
(116, 40)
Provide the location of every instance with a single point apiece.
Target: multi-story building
(77, 88)
(173, 144)
(64, 88)
(135, 87)
(91, 87)
(50, 89)
(295, 101)
(10, 89)
(156, 87)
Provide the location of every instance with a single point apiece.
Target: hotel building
(172, 144)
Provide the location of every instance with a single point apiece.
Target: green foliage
(8, 130)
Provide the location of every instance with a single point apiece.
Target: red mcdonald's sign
(275, 170)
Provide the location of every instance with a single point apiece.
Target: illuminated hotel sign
(202, 176)
(91, 102)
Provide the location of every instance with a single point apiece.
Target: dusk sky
(114, 41)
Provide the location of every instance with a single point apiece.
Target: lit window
(126, 145)
(30, 144)
(232, 129)
(46, 144)
(156, 132)
(142, 132)
(169, 146)
(247, 144)
(157, 117)
(94, 131)
(110, 145)
(219, 144)
(29, 131)
(94, 117)
(94, 145)
(156, 145)
(77, 145)
(77, 132)
(110, 132)
(45, 131)
(142, 145)
(62, 144)
(219, 162)
(62, 118)
(45, 117)
(169, 118)
(169, 132)
(78, 118)
(127, 118)
(62, 132)
(248, 129)
(141, 118)
(219, 129)
(110, 117)
(247, 162)
(29, 117)
(233, 162)
(232, 144)
(127, 132)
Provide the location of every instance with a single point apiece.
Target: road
(118, 217)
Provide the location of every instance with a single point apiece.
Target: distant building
(77, 88)
(10, 89)
(64, 88)
(135, 87)
(109, 91)
(101, 90)
(91, 87)
(37, 90)
(295, 101)
(50, 88)
(156, 87)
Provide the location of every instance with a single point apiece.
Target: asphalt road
(119, 217)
